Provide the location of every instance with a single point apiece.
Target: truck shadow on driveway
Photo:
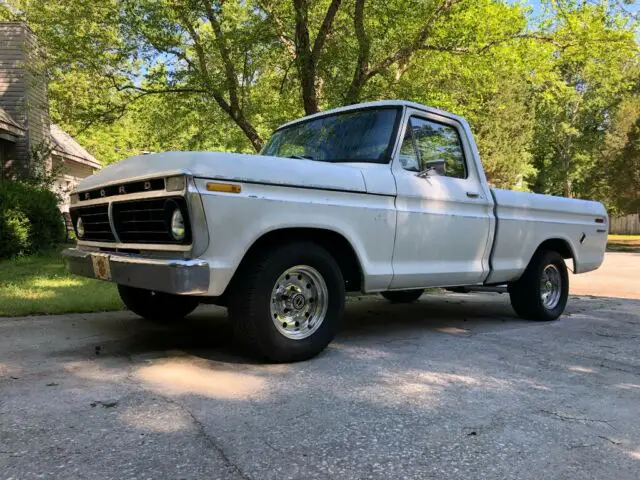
(452, 383)
(369, 320)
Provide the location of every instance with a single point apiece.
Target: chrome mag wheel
(299, 302)
(550, 286)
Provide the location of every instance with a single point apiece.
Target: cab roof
(379, 103)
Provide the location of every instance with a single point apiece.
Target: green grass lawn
(41, 285)
(623, 243)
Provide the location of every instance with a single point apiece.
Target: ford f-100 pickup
(385, 197)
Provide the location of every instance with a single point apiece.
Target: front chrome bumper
(178, 276)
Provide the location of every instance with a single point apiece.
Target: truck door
(444, 218)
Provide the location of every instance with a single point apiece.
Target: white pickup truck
(385, 197)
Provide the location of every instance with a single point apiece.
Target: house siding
(23, 97)
(70, 174)
(23, 89)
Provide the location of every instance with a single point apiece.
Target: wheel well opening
(557, 245)
(337, 245)
(561, 246)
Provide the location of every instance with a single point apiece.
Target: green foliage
(14, 233)
(542, 94)
(29, 220)
(591, 69)
(618, 169)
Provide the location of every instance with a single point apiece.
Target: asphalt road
(454, 386)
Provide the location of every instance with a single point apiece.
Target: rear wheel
(402, 296)
(542, 291)
(159, 307)
(287, 304)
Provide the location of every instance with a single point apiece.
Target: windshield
(352, 136)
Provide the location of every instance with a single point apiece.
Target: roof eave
(11, 129)
(74, 158)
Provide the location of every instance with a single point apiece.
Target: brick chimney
(23, 91)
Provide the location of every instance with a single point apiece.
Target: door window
(433, 147)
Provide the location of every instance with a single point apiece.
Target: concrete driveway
(454, 386)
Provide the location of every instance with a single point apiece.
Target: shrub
(14, 233)
(30, 221)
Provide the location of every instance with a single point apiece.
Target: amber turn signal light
(223, 187)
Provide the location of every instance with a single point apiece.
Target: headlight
(177, 225)
(175, 184)
(80, 228)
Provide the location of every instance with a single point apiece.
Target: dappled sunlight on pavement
(451, 386)
(189, 376)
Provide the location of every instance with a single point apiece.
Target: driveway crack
(615, 442)
(571, 418)
(209, 439)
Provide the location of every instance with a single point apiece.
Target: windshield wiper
(301, 157)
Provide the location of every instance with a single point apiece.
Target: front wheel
(402, 296)
(286, 304)
(159, 307)
(542, 291)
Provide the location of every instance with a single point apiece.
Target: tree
(585, 78)
(131, 75)
(226, 51)
(618, 169)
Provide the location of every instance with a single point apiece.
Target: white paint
(231, 166)
(367, 221)
(525, 220)
(407, 231)
(442, 235)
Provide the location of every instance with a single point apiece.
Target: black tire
(158, 307)
(250, 300)
(402, 296)
(526, 294)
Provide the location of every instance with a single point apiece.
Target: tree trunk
(364, 49)
(238, 117)
(249, 131)
(304, 58)
(567, 191)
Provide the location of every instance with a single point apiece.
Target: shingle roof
(66, 146)
(9, 125)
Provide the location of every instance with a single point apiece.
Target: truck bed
(525, 220)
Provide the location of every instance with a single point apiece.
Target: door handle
(473, 195)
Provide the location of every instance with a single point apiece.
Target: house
(28, 140)
(71, 162)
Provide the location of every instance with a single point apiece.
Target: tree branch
(487, 46)
(159, 91)
(200, 53)
(230, 71)
(364, 50)
(621, 6)
(232, 110)
(325, 29)
(407, 51)
(284, 77)
(280, 28)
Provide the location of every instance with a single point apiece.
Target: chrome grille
(148, 221)
(95, 220)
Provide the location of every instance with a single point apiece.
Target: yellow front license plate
(101, 267)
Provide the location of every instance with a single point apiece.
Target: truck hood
(231, 166)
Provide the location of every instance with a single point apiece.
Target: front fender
(236, 221)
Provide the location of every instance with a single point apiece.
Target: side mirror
(427, 173)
